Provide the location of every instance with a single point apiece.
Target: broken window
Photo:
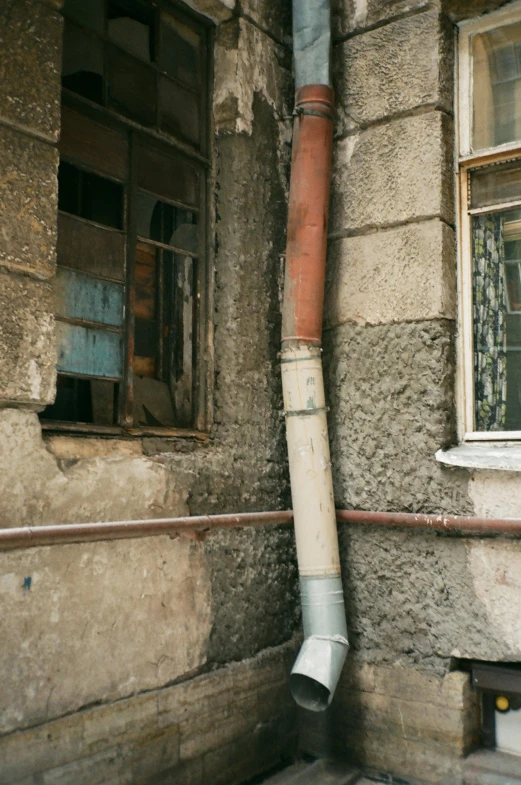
(490, 249)
(131, 220)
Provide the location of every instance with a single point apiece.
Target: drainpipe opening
(316, 672)
(309, 693)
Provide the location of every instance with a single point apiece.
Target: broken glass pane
(84, 400)
(82, 63)
(152, 403)
(166, 223)
(131, 26)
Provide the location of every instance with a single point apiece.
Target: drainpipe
(318, 666)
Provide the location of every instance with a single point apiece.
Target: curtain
(490, 362)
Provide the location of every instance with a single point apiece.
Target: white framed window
(489, 226)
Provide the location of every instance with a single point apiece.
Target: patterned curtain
(490, 362)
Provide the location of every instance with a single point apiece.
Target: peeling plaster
(36, 488)
(249, 66)
(360, 17)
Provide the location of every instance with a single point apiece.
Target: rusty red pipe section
(66, 534)
(441, 523)
(308, 215)
(63, 534)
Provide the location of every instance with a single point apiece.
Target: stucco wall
(390, 353)
(101, 622)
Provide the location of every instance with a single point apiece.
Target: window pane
(83, 297)
(69, 188)
(149, 217)
(496, 245)
(180, 53)
(183, 306)
(89, 352)
(167, 176)
(495, 184)
(131, 88)
(146, 341)
(95, 145)
(102, 200)
(184, 231)
(90, 196)
(146, 281)
(152, 403)
(91, 13)
(131, 26)
(82, 63)
(179, 111)
(91, 249)
(166, 223)
(496, 87)
(147, 325)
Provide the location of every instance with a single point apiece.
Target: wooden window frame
(467, 161)
(154, 138)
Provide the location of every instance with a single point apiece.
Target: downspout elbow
(317, 669)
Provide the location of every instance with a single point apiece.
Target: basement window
(499, 690)
(490, 226)
(130, 289)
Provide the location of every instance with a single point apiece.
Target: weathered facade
(81, 700)
(164, 660)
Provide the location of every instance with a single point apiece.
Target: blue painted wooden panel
(90, 352)
(80, 296)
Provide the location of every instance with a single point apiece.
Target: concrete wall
(414, 600)
(115, 623)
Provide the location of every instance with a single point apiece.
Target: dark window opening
(82, 63)
(90, 196)
(130, 223)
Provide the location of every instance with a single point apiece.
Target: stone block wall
(220, 728)
(416, 601)
(30, 37)
(397, 721)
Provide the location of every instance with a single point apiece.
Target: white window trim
(464, 161)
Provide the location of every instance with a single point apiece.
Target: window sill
(501, 456)
(85, 429)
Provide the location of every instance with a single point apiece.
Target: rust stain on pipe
(63, 534)
(308, 215)
(441, 523)
(32, 536)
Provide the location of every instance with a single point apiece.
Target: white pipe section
(319, 664)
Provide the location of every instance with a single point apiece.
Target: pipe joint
(320, 661)
(315, 99)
